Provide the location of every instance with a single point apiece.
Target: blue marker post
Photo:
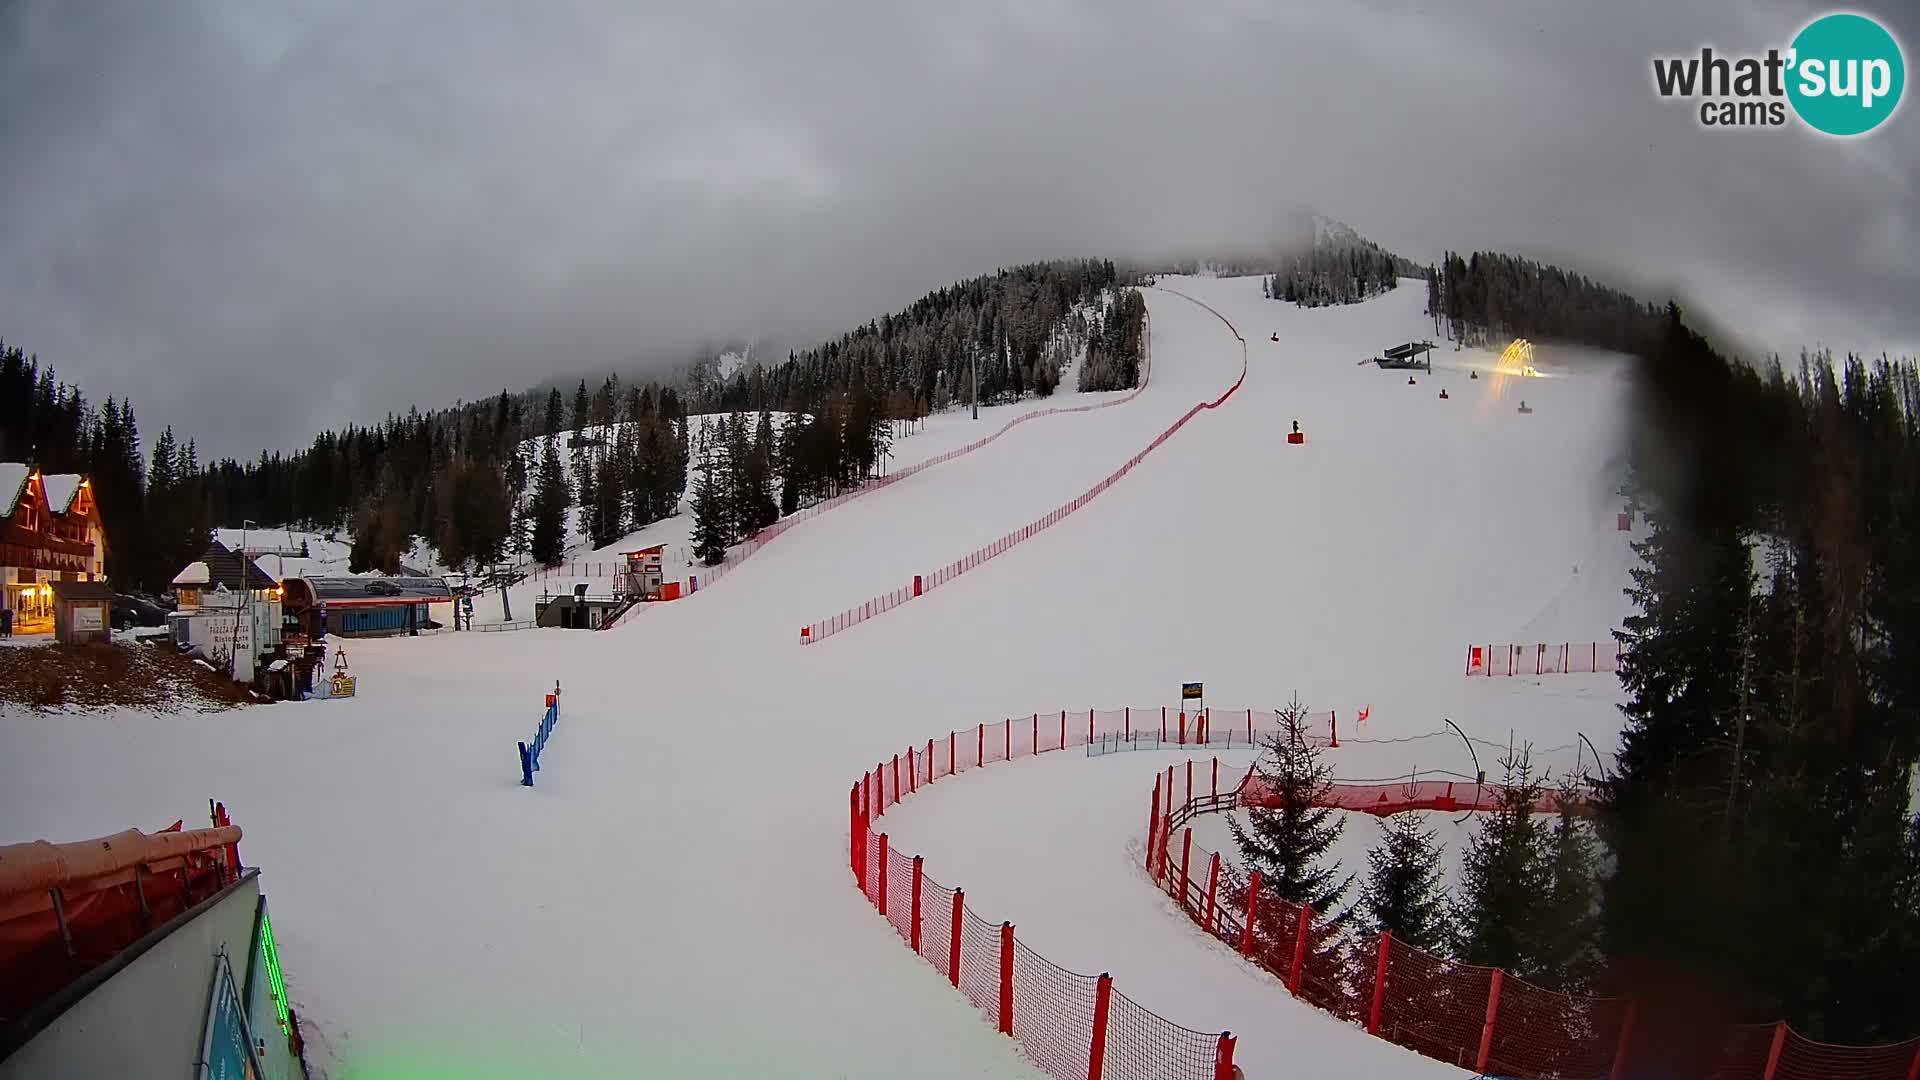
(530, 753)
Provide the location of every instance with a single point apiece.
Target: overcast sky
(256, 222)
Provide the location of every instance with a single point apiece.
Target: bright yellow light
(1517, 360)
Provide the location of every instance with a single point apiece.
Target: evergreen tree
(550, 502)
(1569, 957)
(582, 410)
(1402, 893)
(1290, 839)
(709, 517)
(1504, 877)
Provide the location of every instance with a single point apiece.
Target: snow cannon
(1473, 374)
(1296, 437)
(1524, 410)
(1443, 393)
(1275, 337)
(1410, 380)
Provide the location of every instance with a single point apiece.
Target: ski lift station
(1412, 355)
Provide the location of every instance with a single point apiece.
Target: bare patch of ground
(120, 675)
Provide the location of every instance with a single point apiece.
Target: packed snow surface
(673, 898)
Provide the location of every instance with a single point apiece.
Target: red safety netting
(1143, 1046)
(1441, 1008)
(1544, 658)
(980, 963)
(1052, 1012)
(860, 613)
(1804, 1059)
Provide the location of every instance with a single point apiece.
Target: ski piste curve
(773, 532)
(815, 632)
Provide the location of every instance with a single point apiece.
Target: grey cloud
(256, 222)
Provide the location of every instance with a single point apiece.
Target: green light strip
(275, 982)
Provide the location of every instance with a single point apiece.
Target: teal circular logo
(1847, 74)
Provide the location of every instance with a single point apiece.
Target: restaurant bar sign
(1190, 691)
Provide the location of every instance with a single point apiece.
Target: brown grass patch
(152, 677)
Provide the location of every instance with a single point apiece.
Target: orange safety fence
(1472, 1017)
(923, 583)
(1072, 1026)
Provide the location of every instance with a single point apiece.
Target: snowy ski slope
(673, 899)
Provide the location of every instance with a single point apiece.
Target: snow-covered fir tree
(1402, 893)
(1290, 842)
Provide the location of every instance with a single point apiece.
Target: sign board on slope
(1190, 691)
(226, 1050)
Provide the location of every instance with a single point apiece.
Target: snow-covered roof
(60, 489)
(196, 573)
(259, 540)
(12, 476)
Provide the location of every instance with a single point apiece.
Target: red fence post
(1183, 727)
(879, 788)
(953, 944)
(856, 844)
(1213, 887)
(980, 752)
(1126, 723)
(1223, 1057)
(1380, 982)
(1301, 934)
(1063, 727)
(1189, 802)
(1186, 859)
(1102, 1002)
(1913, 1073)
(1253, 912)
(951, 763)
(1486, 1030)
(883, 873)
(1089, 727)
(912, 773)
(1036, 736)
(896, 778)
(1006, 978)
(919, 874)
(1153, 821)
(1621, 1048)
(1163, 723)
(1166, 838)
(1009, 733)
(1333, 727)
(1214, 790)
(1773, 1053)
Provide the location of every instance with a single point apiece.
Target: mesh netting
(936, 923)
(1052, 1013)
(873, 867)
(900, 894)
(1143, 1046)
(998, 739)
(1804, 1059)
(1538, 1032)
(1432, 1005)
(980, 964)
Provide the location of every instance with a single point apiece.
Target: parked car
(132, 611)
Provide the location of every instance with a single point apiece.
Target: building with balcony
(51, 532)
